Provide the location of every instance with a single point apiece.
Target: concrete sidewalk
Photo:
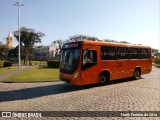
(12, 73)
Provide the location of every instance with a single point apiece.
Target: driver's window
(89, 56)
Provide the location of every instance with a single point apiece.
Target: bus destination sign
(71, 45)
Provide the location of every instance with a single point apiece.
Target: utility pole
(19, 49)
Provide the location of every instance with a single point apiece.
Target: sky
(135, 21)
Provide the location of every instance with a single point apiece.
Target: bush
(1, 63)
(157, 60)
(53, 64)
(7, 64)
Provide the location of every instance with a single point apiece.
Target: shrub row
(5, 64)
(53, 64)
(157, 60)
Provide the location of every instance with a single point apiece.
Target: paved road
(138, 95)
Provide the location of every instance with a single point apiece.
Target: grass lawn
(35, 74)
(7, 69)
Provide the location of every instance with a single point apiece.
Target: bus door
(89, 67)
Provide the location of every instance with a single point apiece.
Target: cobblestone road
(138, 95)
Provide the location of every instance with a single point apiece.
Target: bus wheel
(103, 80)
(137, 74)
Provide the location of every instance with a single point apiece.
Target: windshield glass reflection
(69, 60)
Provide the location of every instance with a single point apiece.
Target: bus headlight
(75, 75)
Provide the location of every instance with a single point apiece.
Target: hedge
(1, 63)
(53, 64)
(7, 64)
(157, 60)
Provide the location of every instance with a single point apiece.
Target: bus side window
(134, 53)
(108, 53)
(144, 53)
(122, 53)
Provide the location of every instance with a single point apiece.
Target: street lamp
(19, 52)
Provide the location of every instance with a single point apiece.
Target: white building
(45, 52)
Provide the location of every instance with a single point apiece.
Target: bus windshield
(69, 60)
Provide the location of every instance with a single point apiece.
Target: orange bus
(88, 62)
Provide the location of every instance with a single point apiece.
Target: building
(45, 52)
(9, 40)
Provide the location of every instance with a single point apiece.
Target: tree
(58, 44)
(28, 38)
(83, 37)
(125, 42)
(109, 40)
(78, 37)
(4, 51)
(13, 54)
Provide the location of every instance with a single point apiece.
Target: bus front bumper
(65, 80)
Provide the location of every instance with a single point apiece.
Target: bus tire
(137, 74)
(103, 79)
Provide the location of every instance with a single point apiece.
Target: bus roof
(103, 43)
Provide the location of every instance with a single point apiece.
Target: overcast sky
(135, 21)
